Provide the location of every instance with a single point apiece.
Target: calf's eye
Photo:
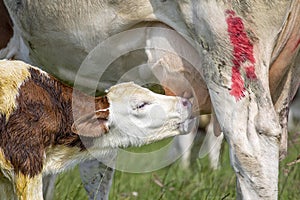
(142, 105)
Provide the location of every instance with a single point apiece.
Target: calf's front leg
(28, 188)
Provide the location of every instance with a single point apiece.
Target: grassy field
(173, 182)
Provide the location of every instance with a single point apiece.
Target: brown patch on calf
(43, 117)
(92, 124)
(101, 103)
(6, 30)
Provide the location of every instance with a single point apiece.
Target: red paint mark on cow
(237, 87)
(242, 54)
(230, 12)
(250, 72)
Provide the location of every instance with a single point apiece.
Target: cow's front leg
(244, 108)
(252, 130)
(28, 188)
(96, 178)
(49, 186)
(236, 41)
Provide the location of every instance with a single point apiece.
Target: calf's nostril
(185, 102)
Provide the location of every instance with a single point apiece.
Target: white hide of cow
(251, 78)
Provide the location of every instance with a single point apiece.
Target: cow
(249, 52)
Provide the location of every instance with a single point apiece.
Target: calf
(47, 127)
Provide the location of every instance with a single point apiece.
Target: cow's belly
(59, 34)
(59, 42)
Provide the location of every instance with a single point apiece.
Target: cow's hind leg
(252, 131)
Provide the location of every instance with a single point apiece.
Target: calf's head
(135, 116)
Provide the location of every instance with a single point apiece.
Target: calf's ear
(92, 125)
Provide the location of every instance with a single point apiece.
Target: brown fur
(42, 118)
(6, 30)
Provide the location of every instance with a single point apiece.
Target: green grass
(173, 182)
